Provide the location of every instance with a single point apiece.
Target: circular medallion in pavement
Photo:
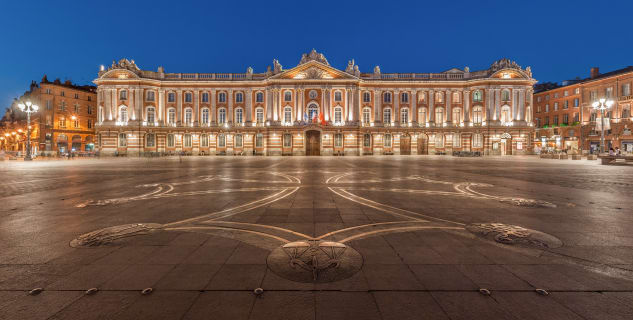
(315, 261)
(108, 235)
(509, 234)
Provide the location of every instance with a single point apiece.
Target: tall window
(150, 95)
(222, 116)
(205, 116)
(123, 95)
(205, 97)
(204, 141)
(259, 140)
(505, 114)
(566, 104)
(259, 115)
(457, 98)
(439, 115)
(239, 141)
(188, 97)
(171, 115)
(439, 140)
(338, 96)
(609, 92)
(287, 140)
(386, 115)
(89, 110)
(439, 97)
(239, 97)
(76, 123)
(457, 140)
(555, 106)
(123, 114)
(221, 141)
(288, 115)
(576, 102)
(387, 97)
(150, 140)
(259, 97)
(338, 140)
(122, 140)
(477, 140)
(239, 115)
(404, 97)
(62, 106)
(366, 115)
(89, 123)
(188, 115)
(457, 115)
(505, 95)
(577, 118)
(367, 140)
(626, 89)
(287, 96)
(171, 140)
(387, 140)
(422, 115)
(187, 140)
(312, 111)
(338, 115)
(478, 114)
(566, 118)
(171, 97)
(76, 108)
(222, 97)
(404, 115)
(366, 96)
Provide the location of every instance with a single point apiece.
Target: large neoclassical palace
(314, 109)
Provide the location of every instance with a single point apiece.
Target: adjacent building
(565, 119)
(314, 109)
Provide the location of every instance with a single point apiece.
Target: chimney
(595, 71)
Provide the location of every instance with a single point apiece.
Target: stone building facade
(314, 109)
(566, 120)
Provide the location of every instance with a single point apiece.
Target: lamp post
(29, 108)
(602, 105)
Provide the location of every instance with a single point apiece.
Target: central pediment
(313, 70)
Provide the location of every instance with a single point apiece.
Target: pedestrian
(611, 152)
(618, 152)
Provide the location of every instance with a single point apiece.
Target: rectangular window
(576, 102)
(566, 119)
(555, 120)
(76, 108)
(555, 95)
(565, 104)
(188, 97)
(477, 140)
(204, 141)
(367, 141)
(547, 108)
(577, 91)
(76, 96)
(150, 140)
(609, 92)
(171, 140)
(239, 140)
(76, 123)
(89, 98)
(221, 141)
(366, 97)
(49, 121)
(89, 109)
(626, 89)
(404, 97)
(63, 94)
(62, 106)
(259, 141)
(546, 121)
(122, 140)
(566, 93)
(123, 95)
(171, 97)
(89, 123)
(387, 140)
(62, 122)
(187, 141)
(555, 106)
(287, 140)
(150, 95)
(576, 118)
(205, 97)
(338, 140)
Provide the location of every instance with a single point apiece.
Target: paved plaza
(393, 237)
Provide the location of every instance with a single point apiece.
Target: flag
(305, 117)
(322, 118)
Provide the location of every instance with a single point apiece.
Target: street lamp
(29, 108)
(602, 105)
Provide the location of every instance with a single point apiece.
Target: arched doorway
(62, 143)
(313, 143)
(506, 144)
(76, 143)
(405, 144)
(423, 144)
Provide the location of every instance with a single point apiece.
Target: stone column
(378, 106)
(497, 104)
(327, 102)
(489, 104)
(396, 107)
(249, 106)
(269, 104)
(196, 107)
(515, 102)
(431, 107)
(466, 102)
(413, 102)
(161, 104)
(229, 99)
(108, 104)
(276, 98)
(521, 114)
(179, 106)
(357, 104)
(449, 106)
(214, 111)
(299, 102)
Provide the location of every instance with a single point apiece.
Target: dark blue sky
(70, 39)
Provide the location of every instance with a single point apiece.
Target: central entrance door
(405, 144)
(313, 143)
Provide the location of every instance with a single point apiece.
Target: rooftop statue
(313, 56)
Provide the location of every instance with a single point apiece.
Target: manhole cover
(509, 234)
(315, 261)
(110, 234)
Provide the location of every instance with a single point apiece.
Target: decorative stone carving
(504, 64)
(376, 70)
(313, 56)
(314, 73)
(125, 64)
(277, 68)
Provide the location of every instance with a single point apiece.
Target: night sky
(69, 40)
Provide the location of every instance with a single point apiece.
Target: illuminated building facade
(314, 109)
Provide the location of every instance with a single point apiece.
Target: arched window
(387, 140)
(477, 140)
(259, 97)
(457, 115)
(477, 96)
(204, 141)
(505, 114)
(404, 97)
(187, 140)
(457, 140)
(288, 115)
(439, 97)
(386, 115)
(338, 96)
(404, 115)
(366, 115)
(338, 115)
(205, 116)
(222, 116)
(439, 140)
(188, 115)
(259, 140)
(367, 140)
(150, 140)
(387, 97)
(171, 140)
(505, 95)
(259, 115)
(171, 115)
(422, 115)
(439, 116)
(313, 111)
(239, 115)
(287, 96)
(478, 114)
(366, 96)
(239, 97)
(222, 97)
(122, 140)
(123, 114)
(151, 115)
(221, 140)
